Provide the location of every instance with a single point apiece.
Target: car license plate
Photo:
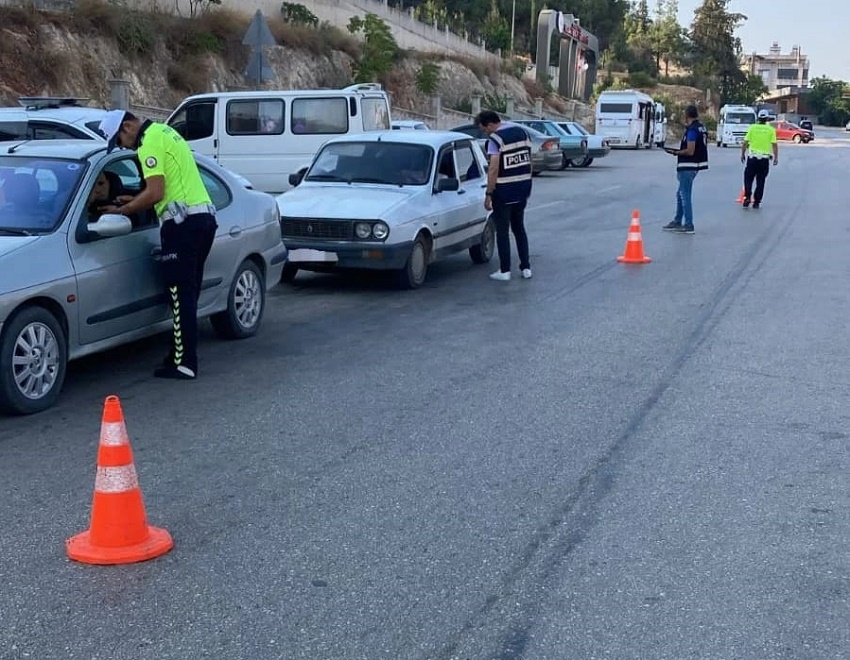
(307, 254)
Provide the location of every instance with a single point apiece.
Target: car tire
(483, 252)
(584, 161)
(289, 272)
(565, 162)
(34, 333)
(246, 303)
(412, 276)
(798, 139)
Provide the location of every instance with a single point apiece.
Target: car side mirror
(295, 179)
(448, 185)
(110, 225)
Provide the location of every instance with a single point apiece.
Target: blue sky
(817, 26)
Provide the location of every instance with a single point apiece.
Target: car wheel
(565, 162)
(33, 361)
(483, 252)
(584, 161)
(413, 274)
(798, 139)
(246, 303)
(287, 275)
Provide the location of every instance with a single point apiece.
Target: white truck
(732, 124)
(626, 118)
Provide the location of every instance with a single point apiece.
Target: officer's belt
(189, 210)
(758, 156)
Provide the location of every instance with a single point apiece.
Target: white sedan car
(391, 200)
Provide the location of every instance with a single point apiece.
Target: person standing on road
(508, 189)
(692, 158)
(759, 144)
(174, 188)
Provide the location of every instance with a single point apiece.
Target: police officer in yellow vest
(174, 188)
(759, 144)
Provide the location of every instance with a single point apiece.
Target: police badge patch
(150, 161)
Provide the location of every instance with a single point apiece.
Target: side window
(118, 178)
(260, 117)
(219, 192)
(446, 167)
(376, 114)
(13, 131)
(467, 166)
(195, 121)
(324, 116)
(40, 131)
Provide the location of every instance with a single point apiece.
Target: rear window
(615, 108)
(376, 114)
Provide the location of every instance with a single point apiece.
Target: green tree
(428, 78)
(716, 49)
(748, 90)
(828, 101)
(298, 14)
(497, 30)
(380, 49)
(667, 36)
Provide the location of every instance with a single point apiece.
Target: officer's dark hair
(691, 112)
(129, 116)
(486, 118)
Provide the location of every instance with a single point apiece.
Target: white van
(626, 118)
(732, 124)
(267, 135)
(659, 136)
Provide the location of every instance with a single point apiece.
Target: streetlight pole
(513, 20)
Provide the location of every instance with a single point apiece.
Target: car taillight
(549, 145)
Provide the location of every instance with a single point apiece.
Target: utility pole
(513, 20)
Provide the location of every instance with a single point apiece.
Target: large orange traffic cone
(119, 532)
(740, 199)
(633, 254)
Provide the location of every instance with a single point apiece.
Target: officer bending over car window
(174, 188)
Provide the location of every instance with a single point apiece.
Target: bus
(732, 124)
(626, 118)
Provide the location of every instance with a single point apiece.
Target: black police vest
(513, 183)
(699, 160)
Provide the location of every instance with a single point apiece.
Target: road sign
(259, 34)
(257, 71)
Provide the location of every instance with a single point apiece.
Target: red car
(787, 131)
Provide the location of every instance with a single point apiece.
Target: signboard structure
(258, 36)
(579, 54)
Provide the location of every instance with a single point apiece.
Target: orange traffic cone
(118, 533)
(740, 199)
(633, 254)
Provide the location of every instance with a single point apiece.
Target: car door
(227, 250)
(119, 285)
(473, 184)
(447, 215)
(196, 122)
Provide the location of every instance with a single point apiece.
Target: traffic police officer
(759, 144)
(508, 188)
(174, 188)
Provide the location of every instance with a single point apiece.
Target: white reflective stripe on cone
(116, 479)
(114, 434)
(634, 236)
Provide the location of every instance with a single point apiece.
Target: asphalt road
(606, 461)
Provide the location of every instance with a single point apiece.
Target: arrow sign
(259, 34)
(257, 70)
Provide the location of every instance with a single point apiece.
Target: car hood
(9, 244)
(343, 200)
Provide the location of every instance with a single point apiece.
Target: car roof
(429, 138)
(66, 113)
(74, 149)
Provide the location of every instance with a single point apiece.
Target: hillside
(164, 58)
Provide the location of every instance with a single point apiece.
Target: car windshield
(390, 163)
(579, 128)
(740, 118)
(34, 193)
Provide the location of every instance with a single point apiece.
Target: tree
(497, 30)
(428, 78)
(380, 49)
(716, 49)
(667, 36)
(298, 14)
(828, 101)
(748, 90)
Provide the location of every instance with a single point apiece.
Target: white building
(780, 71)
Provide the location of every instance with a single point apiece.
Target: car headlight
(380, 230)
(363, 230)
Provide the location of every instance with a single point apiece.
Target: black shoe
(672, 226)
(756, 205)
(685, 229)
(746, 203)
(175, 373)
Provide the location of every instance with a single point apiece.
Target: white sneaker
(526, 273)
(499, 275)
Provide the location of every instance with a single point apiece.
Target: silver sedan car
(75, 283)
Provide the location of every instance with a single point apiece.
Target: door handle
(235, 231)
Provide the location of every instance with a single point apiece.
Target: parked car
(597, 146)
(572, 146)
(807, 125)
(409, 125)
(50, 118)
(787, 131)
(97, 282)
(394, 201)
(545, 151)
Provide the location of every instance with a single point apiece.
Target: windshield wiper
(366, 179)
(327, 177)
(14, 231)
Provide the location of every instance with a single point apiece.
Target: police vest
(513, 183)
(699, 160)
